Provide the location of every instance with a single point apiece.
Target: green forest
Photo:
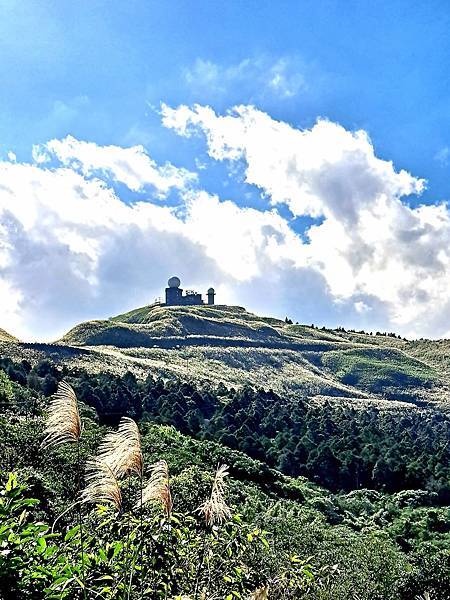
(212, 492)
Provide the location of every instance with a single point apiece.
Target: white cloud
(314, 171)
(130, 166)
(283, 81)
(244, 241)
(370, 243)
(281, 78)
(361, 307)
(70, 249)
(442, 156)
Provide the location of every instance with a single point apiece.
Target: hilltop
(152, 324)
(228, 344)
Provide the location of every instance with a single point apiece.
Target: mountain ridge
(229, 345)
(232, 346)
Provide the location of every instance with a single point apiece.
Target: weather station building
(175, 296)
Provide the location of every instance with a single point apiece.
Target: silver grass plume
(261, 593)
(102, 485)
(201, 597)
(158, 487)
(215, 509)
(121, 449)
(63, 421)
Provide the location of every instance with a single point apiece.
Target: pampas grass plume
(215, 509)
(102, 485)
(261, 593)
(158, 487)
(121, 449)
(63, 421)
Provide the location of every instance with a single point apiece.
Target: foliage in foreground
(365, 545)
(303, 555)
(126, 555)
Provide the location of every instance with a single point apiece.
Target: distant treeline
(341, 329)
(339, 447)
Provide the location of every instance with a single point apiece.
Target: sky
(295, 155)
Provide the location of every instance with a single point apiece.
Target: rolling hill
(231, 345)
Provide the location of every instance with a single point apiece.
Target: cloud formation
(370, 242)
(130, 166)
(71, 248)
(282, 79)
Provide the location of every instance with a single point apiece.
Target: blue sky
(95, 69)
(99, 71)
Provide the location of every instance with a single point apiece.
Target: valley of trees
(334, 502)
(338, 447)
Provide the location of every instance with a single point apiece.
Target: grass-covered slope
(144, 326)
(231, 345)
(378, 370)
(6, 337)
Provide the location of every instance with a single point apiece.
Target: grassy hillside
(351, 504)
(144, 326)
(229, 345)
(236, 347)
(6, 337)
(220, 325)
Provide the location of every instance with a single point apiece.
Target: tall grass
(63, 425)
(214, 511)
(119, 457)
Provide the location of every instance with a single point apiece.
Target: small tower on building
(211, 293)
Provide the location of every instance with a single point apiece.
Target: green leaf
(42, 543)
(11, 483)
(265, 543)
(117, 548)
(105, 578)
(102, 554)
(71, 533)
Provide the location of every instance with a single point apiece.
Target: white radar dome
(174, 282)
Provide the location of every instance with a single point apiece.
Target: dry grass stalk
(215, 509)
(63, 421)
(260, 594)
(202, 596)
(102, 485)
(121, 449)
(158, 487)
